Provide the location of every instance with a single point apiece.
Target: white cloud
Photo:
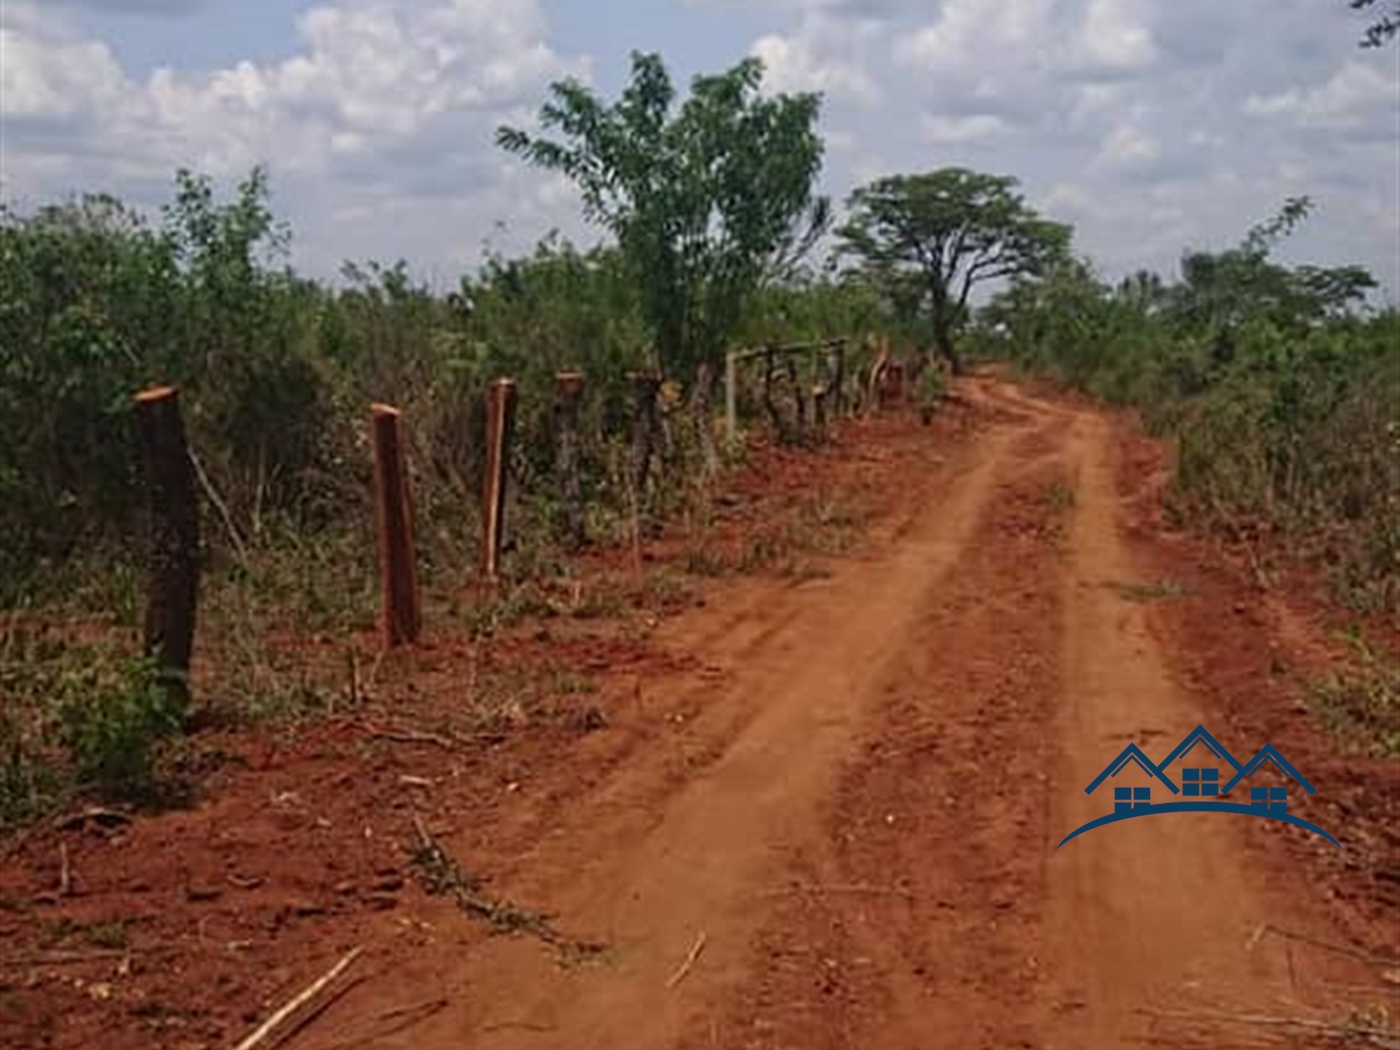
(1355, 97)
(1129, 145)
(1114, 38)
(957, 131)
(388, 108)
(972, 40)
(1152, 125)
(825, 55)
(49, 71)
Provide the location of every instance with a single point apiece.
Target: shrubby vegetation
(1283, 395)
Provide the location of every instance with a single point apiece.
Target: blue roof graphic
(1269, 753)
(1132, 753)
(1200, 735)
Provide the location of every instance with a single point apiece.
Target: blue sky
(1152, 125)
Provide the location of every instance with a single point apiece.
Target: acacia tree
(705, 200)
(942, 233)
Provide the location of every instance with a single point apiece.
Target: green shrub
(112, 718)
(931, 389)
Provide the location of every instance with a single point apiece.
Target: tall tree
(943, 233)
(705, 200)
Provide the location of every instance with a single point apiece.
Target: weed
(1061, 498)
(112, 718)
(706, 561)
(110, 935)
(932, 387)
(1155, 591)
(1363, 700)
(1059, 501)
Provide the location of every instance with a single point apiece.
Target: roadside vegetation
(1280, 389)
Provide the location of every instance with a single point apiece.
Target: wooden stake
(570, 389)
(173, 590)
(401, 622)
(263, 1031)
(500, 421)
(700, 418)
(838, 381)
(645, 423)
(731, 397)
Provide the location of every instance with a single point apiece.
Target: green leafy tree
(930, 239)
(1222, 291)
(706, 200)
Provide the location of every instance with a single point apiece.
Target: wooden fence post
(838, 381)
(647, 387)
(570, 389)
(401, 622)
(702, 420)
(500, 421)
(731, 397)
(173, 589)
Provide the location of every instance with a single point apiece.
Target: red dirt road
(837, 824)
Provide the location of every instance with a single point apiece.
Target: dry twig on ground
(264, 1034)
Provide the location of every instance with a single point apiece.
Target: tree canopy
(930, 239)
(705, 200)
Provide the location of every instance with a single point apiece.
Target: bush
(112, 718)
(931, 389)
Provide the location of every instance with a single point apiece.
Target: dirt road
(822, 811)
(846, 836)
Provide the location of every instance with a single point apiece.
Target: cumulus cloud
(386, 109)
(1357, 97)
(1151, 125)
(832, 56)
(943, 131)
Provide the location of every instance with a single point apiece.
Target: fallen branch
(444, 875)
(265, 1030)
(679, 975)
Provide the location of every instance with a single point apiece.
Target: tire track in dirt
(663, 851)
(862, 809)
(938, 912)
(1151, 916)
(914, 923)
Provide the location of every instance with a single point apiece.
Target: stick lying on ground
(264, 1031)
(679, 975)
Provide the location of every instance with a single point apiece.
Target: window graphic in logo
(1202, 788)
